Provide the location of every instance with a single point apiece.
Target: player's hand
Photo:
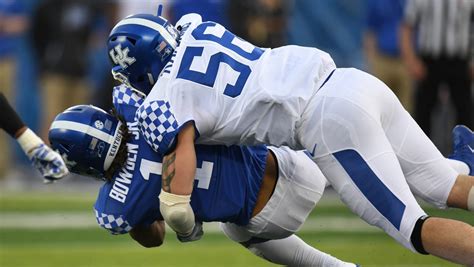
(195, 235)
(48, 162)
(416, 68)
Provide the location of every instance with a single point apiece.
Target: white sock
(459, 166)
(292, 251)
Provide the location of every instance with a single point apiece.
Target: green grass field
(88, 245)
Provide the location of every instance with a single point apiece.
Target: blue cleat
(463, 146)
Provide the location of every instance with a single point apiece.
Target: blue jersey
(226, 185)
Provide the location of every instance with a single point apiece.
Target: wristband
(177, 212)
(29, 140)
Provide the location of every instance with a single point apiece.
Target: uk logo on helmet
(120, 56)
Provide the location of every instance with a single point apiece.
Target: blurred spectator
(63, 37)
(381, 43)
(210, 10)
(130, 7)
(13, 22)
(335, 26)
(262, 22)
(442, 29)
(99, 66)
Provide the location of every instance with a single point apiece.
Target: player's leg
(428, 173)
(355, 155)
(449, 239)
(431, 177)
(299, 187)
(459, 166)
(289, 251)
(352, 151)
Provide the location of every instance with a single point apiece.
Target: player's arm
(149, 235)
(179, 166)
(9, 119)
(48, 162)
(178, 173)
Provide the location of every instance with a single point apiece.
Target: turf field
(51, 229)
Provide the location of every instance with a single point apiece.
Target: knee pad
(416, 235)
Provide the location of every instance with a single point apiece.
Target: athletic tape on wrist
(29, 140)
(177, 212)
(470, 200)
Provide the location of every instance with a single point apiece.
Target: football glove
(195, 235)
(48, 162)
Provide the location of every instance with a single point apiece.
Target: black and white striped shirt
(444, 27)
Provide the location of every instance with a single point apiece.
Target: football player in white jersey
(205, 85)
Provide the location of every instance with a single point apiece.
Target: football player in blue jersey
(238, 186)
(49, 163)
(205, 85)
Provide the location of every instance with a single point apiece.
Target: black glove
(195, 235)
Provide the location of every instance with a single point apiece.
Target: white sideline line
(47, 220)
(81, 220)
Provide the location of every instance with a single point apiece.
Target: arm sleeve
(9, 119)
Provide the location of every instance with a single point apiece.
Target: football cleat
(463, 146)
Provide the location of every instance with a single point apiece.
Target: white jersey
(367, 146)
(234, 92)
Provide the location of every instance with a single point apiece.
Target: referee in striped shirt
(443, 54)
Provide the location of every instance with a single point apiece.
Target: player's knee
(415, 238)
(235, 232)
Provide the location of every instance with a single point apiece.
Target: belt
(268, 185)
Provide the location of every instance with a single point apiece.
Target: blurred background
(53, 55)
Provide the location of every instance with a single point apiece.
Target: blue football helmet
(88, 139)
(139, 48)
